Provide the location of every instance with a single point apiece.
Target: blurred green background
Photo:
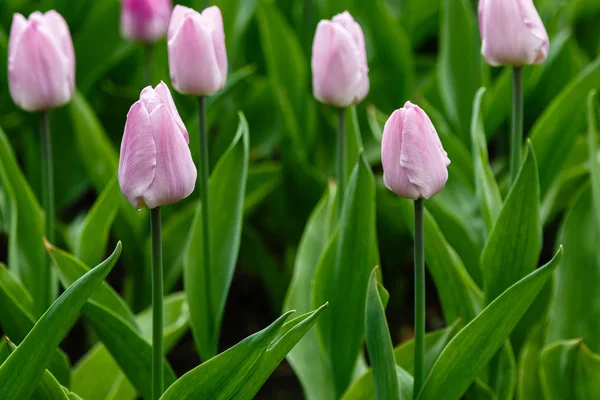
(426, 51)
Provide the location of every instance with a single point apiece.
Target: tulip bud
(414, 161)
(41, 61)
(512, 33)
(145, 20)
(155, 165)
(197, 54)
(339, 62)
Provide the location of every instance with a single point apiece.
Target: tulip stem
(157, 306)
(419, 299)
(341, 158)
(48, 203)
(203, 176)
(516, 137)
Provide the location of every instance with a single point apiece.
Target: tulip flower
(415, 166)
(145, 20)
(512, 33)
(41, 61)
(155, 165)
(339, 62)
(414, 161)
(197, 53)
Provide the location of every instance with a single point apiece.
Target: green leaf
(593, 153)
(514, 245)
(475, 345)
(488, 192)
(435, 342)
(459, 295)
(26, 255)
(288, 336)
(354, 144)
(387, 33)
(459, 62)
(48, 387)
(127, 347)
(227, 188)
(97, 375)
(573, 310)
(344, 269)
(554, 133)
(25, 366)
(223, 376)
(89, 236)
(16, 321)
(70, 269)
(263, 179)
(570, 371)
(307, 358)
(528, 382)
(364, 388)
(379, 345)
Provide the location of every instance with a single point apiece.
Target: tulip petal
(336, 66)
(19, 23)
(394, 175)
(192, 60)
(512, 32)
(175, 173)
(38, 70)
(137, 162)
(212, 16)
(177, 17)
(421, 157)
(60, 31)
(164, 94)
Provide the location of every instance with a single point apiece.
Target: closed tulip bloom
(145, 20)
(339, 62)
(41, 61)
(197, 53)
(155, 166)
(414, 161)
(512, 33)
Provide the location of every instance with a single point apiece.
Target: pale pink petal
(177, 17)
(421, 158)
(394, 175)
(145, 20)
(175, 175)
(38, 70)
(60, 30)
(512, 32)
(164, 94)
(149, 99)
(137, 162)
(19, 23)
(212, 15)
(336, 66)
(192, 60)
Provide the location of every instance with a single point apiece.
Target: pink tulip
(512, 33)
(41, 61)
(155, 166)
(339, 62)
(145, 20)
(197, 54)
(414, 161)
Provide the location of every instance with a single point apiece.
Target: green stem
(203, 177)
(419, 299)
(48, 203)
(148, 64)
(341, 158)
(516, 135)
(157, 306)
